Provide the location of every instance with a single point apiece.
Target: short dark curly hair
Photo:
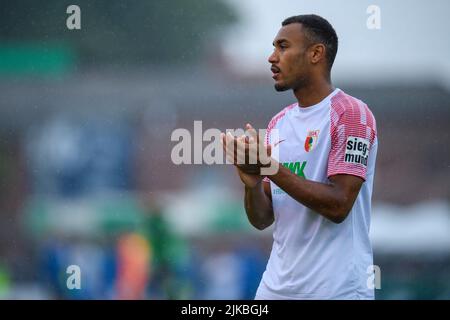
(318, 30)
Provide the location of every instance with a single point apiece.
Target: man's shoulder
(346, 108)
(280, 115)
(345, 101)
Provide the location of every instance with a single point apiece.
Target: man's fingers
(222, 140)
(253, 135)
(248, 126)
(241, 150)
(246, 151)
(250, 169)
(227, 145)
(229, 137)
(234, 148)
(224, 143)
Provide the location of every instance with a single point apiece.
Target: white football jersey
(312, 257)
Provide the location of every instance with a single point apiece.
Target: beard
(280, 87)
(301, 82)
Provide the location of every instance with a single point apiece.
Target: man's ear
(317, 53)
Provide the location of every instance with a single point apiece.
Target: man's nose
(273, 58)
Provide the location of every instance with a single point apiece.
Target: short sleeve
(352, 133)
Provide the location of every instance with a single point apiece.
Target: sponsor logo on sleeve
(357, 150)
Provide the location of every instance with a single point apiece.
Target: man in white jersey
(320, 197)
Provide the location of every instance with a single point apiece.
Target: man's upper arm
(349, 186)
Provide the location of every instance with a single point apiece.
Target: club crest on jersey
(311, 140)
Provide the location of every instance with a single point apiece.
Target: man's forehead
(292, 32)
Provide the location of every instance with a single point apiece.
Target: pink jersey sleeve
(353, 132)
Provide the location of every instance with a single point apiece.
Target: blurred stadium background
(85, 122)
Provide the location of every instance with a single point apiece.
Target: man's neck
(313, 93)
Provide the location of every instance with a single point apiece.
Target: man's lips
(276, 71)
